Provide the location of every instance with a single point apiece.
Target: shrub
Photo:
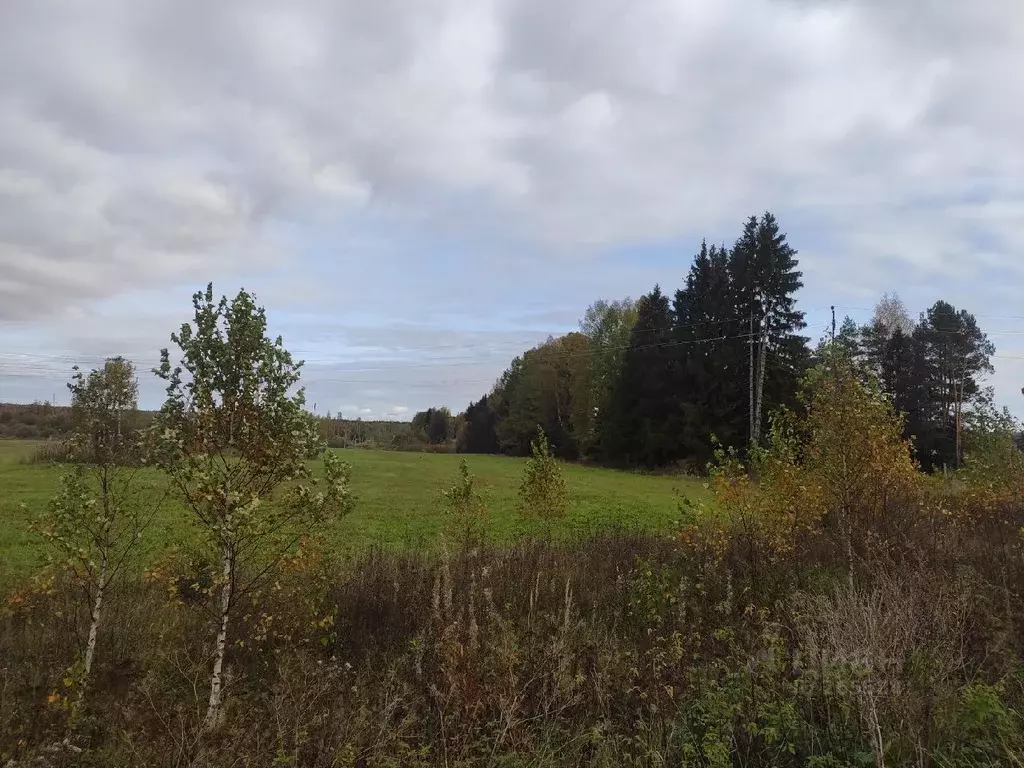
(463, 508)
(542, 494)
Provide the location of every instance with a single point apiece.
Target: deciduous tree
(231, 433)
(607, 326)
(99, 513)
(542, 492)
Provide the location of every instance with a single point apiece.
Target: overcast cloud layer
(419, 190)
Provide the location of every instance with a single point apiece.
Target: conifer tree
(478, 434)
(708, 383)
(641, 425)
(954, 354)
(765, 279)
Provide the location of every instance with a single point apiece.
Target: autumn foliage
(830, 606)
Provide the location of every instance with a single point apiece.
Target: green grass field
(397, 502)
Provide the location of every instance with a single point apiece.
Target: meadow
(397, 503)
(836, 608)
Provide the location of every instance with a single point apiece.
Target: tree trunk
(94, 626)
(216, 680)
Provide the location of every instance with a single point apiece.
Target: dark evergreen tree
(478, 434)
(765, 279)
(640, 426)
(931, 370)
(503, 397)
(901, 374)
(709, 386)
(439, 426)
(848, 338)
(890, 318)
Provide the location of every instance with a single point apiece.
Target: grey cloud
(587, 123)
(157, 145)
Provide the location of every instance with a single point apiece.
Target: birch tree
(97, 517)
(234, 438)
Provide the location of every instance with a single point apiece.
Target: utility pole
(956, 425)
(833, 324)
(750, 389)
(761, 357)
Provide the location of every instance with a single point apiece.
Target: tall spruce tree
(890, 318)
(709, 386)
(765, 280)
(478, 433)
(903, 375)
(640, 425)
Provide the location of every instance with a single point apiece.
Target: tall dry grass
(717, 650)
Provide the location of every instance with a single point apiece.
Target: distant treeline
(37, 421)
(662, 380)
(45, 421)
(355, 433)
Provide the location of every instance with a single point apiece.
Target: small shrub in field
(464, 510)
(542, 493)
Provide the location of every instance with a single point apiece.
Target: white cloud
(330, 153)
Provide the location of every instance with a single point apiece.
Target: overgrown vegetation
(832, 607)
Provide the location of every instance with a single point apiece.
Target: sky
(419, 191)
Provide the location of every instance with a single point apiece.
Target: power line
(73, 359)
(437, 363)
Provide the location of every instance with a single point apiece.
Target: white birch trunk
(217, 679)
(94, 624)
(94, 627)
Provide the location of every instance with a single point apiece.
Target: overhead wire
(448, 363)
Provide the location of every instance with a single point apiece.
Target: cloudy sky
(417, 191)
